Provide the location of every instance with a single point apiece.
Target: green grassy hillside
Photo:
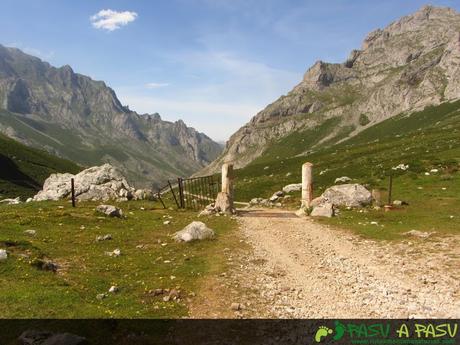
(24, 169)
(425, 140)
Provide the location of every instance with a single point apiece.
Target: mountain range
(77, 118)
(412, 63)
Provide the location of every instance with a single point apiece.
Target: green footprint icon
(322, 332)
(339, 330)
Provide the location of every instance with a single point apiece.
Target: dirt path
(296, 268)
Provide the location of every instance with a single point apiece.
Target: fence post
(307, 184)
(72, 189)
(224, 201)
(174, 194)
(390, 190)
(181, 192)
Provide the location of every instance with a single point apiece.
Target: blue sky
(212, 63)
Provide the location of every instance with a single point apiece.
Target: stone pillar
(227, 178)
(307, 184)
(224, 201)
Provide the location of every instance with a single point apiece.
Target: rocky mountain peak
(404, 67)
(81, 119)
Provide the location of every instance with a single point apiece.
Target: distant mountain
(24, 169)
(411, 64)
(73, 116)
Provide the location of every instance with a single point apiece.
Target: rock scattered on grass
(3, 254)
(417, 233)
(101, 296)
(30, 232)
(103, 238)
(110, 211)
(116, 252)
(194, 231)
(324, 210)
(44, 265)
(113, 289)
(294, 187)
(343, 179)
(15, 201)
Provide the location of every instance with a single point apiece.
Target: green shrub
(364, 120)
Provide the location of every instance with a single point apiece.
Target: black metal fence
(196, 192)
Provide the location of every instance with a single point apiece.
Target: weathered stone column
(224, 201)
(307, 184)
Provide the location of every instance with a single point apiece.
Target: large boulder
(194, 231)
(97, 183)
(348, 195)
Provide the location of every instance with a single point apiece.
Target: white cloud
(111, 20)
(156, 85)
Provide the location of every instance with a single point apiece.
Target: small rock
(343, 179)
(324, 210)
(101, 296)
(236, 306)
(418, 233)
(295, 187)
(15, 201)
(167, 222)
(29, 200)
(113, 289)
(3, 254)
(400, 203)
(166, 298)
(158, 292)
(110, 211)
(30, 232)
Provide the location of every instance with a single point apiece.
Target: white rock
(348, 195)
(113, 289)
(30, 232)
(166, 222)
(29, 200)
(343, 179)
(110, 211)
(295, 187)
(11, 201)
(324, 210)
(417, 233)
(194, 231)
(3, 254)
(96, 183)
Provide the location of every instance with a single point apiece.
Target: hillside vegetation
(425, 140)
(24, 169)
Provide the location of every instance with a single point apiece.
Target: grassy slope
(424, 140)
(87, 271)
(24, 169)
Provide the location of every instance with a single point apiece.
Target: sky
(212, 63)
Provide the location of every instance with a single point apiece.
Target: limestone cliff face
(412, 63)
(71, 115)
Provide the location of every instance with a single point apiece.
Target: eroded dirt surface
(296, 268)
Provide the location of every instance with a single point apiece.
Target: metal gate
(196, 192)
